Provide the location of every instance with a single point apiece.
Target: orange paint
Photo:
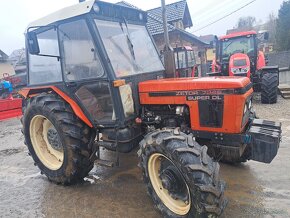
(233, 103)
(238, 34)
(77, 110)
(261, 62)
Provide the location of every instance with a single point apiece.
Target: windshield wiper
(129, 41)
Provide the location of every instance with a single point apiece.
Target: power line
(216, 12)
(224, 16)
(220, 7)
(209, 7)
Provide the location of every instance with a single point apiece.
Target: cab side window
(81, 59)
(45, 69)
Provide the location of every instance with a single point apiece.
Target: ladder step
(105, 163)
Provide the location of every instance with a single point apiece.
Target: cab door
(84, 73)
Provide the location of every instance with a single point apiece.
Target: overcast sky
(16, 14)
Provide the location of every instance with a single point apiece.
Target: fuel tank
(216, 104)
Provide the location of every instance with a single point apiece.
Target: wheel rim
(163, 181)
(46, 143)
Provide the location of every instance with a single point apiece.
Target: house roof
(155, 25)
(3, 56)
(155, 21)
(207, 38)
(175, 11)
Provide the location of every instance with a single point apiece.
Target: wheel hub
(53, 139)
(173, 182)
(169, 180)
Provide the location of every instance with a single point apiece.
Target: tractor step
(285, 91)
(105, 163)
(109, 146)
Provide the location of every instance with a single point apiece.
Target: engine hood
(204, 83)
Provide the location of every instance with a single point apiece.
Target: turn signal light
(118, 83)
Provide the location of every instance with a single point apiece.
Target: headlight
(245, 70)
(96, 8)
(240, 70)
(235, 70)
(245, 108)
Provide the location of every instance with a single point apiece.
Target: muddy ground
(253, 189)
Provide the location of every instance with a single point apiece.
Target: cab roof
(65, 13)
(105, 9)
(238, 34)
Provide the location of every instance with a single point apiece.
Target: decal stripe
(239, 91)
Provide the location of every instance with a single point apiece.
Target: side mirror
(32, 43)
(266, 36)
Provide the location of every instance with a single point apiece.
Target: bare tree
(270, 26)
(246, 23)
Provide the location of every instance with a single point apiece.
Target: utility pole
(169, 59)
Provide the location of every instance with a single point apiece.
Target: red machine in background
(185, 62)
(237, 54)
(10, 103)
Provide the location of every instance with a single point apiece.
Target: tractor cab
(90, 53)
(237, 53)
(185, 62)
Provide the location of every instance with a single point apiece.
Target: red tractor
(185, 62)
(237, 54)
(95, 80)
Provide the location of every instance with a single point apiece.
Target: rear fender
(30, 92)
(270, 69)
(261, 62)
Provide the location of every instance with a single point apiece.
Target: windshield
(130, 48)
(238, 45)
(180, 59)
(191, 59)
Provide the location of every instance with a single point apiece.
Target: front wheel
(181, 178)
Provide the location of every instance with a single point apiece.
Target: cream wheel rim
(46, 153)
(177, 206)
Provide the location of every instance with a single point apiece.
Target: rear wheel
(59, 143)
(180, 177)
(269, 88)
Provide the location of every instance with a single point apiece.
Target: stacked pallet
(285, 90)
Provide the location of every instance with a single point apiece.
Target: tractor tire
(58, 141)
(181, 178)
(269, 88)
